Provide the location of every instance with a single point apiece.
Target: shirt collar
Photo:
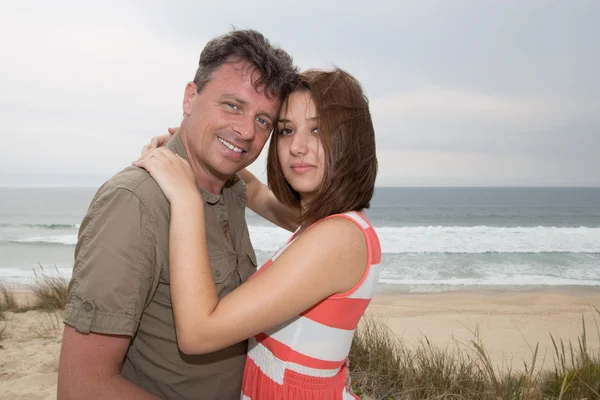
(235, 183)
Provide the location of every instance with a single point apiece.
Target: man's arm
(113, 276)
(89, 367)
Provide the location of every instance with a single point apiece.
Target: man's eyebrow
(244, 102)
(234, 97)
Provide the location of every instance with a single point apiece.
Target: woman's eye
(315, 130)
(285, 131)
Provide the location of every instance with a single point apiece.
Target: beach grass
(7, 302)
(2, 326)
(47, 325)
(7, 299)
(576, 372)
(49, 293)
(383, 367)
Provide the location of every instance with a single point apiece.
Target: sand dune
(29, 355)
(509, 324)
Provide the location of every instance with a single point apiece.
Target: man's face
(229, 122)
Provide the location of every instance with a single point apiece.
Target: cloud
(455, 120)
(84, 85)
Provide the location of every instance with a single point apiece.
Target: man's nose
(245, 127)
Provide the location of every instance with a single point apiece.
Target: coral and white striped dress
(304, 358)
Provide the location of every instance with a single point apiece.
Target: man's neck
(204, 179)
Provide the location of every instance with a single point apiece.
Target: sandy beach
(509, 324)
(29, 355)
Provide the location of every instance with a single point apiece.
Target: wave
(460, 239)
(23, 277)
(426, 239)
(41, 226)
(65, 240)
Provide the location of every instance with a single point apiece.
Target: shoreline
(405, 289)
(384, 289)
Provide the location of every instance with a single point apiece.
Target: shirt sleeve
(115, 273)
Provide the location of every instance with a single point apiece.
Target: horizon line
(549, 186)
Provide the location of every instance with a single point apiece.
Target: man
(119, 336)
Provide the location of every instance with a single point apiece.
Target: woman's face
(299, 146)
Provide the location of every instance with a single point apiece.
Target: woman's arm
(329, 258)
(262, 201)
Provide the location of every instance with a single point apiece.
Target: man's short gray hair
(274, 68)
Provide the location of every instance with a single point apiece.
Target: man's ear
(188, 98)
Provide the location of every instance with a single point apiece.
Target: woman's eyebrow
(285, 121)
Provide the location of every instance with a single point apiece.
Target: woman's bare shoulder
(337, 234)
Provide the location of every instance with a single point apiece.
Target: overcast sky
(462, 92)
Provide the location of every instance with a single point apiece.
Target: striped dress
(304, 358)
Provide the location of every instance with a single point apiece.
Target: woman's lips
(301, 168)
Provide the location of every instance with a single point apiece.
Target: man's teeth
(232, 147)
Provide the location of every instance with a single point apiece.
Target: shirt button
(218, 273)
(88, 305)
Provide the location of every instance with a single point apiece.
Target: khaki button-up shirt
(120, 282)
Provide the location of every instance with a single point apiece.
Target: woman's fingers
(154, 157)
(172, 173)
(161, 140)
(145, 159)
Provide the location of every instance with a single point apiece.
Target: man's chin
(227, 173)
(228, 167)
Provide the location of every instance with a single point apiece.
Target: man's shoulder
(136, 181)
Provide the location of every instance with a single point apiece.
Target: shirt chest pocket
(230, 270)
(223, 265)
(248, 263)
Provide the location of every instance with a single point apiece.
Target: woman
(301, 308)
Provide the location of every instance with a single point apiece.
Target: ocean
(433, 239)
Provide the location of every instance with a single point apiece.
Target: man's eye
(232, 106)
(265, 125)
(262, 121)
